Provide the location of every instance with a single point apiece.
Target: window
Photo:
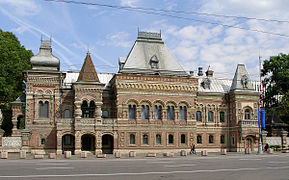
(211, 139)
(199, 139)
(183, 139)
(88, 111)
(171, 113)
(131, 139)
(43, 109)
(66, 113)
(247, 114)
(158, 139)
(105, 114)
(199, 116)
(67, 139)
(145, 112)
(43, 141)
(154, 62)
(233, 140)
(158, 112)
(222, 139)
(131, 109)
(145, 139)
(183, 112)
(210, 116)
(222, 117)
(171, 139)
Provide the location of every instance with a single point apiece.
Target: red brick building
(150, 105)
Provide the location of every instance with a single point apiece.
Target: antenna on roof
(50, 38)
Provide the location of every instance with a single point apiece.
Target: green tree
(14, 59)
(276, 80)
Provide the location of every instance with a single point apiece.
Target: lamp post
(259, 111)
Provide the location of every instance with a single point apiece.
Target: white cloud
(22, 7)
(130, 3)
(118, 40)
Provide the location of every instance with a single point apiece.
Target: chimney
(192, 73)
(200, 71)
(209, 73)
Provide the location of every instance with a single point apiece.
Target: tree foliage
(14, 59)
(276, 80)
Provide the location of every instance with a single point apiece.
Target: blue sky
(110, 33)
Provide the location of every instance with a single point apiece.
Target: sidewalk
(15, 156)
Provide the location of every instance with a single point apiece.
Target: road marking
(149, 173)
(52, 164)
(180, 165)
(278, 162)
(250, 159)
(54, 168)
(159, 162)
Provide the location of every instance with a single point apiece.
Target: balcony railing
(248, 123)
(85, 121)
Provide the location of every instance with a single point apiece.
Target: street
(191, 167)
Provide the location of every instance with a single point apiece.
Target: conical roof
(87, 72)
(241, 79)
(150, 55)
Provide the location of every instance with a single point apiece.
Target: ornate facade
(150, 105)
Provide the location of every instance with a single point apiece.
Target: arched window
(171, 113)
(183, 139)
(158, 112)
(158, 139)
(105, 114)
(88, 111)
(247, 114)
(222, 139)
(222, 117)
(211, 139)
(144, 112)
(66, 113)
(85, 111)
(131, 111)
(43, 109)
(210, 116)
(171, 139)
(131, 139)
(183, 112)
(199, 139)
(199, 116)
(145, 139)
(20, 122)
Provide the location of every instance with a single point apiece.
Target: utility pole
(259, 109)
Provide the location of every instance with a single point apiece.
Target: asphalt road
(191, 167)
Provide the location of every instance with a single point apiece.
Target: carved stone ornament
(206, 84)
(244, 81)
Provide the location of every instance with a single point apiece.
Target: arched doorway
(88, 142)
(107, 144)
(249, 143)
(68, 143)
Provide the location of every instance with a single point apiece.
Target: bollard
(4, 155)
(183, 153)
(117, 154)
(52, 155)
(67, 154)
(132, 154)
(204, 153)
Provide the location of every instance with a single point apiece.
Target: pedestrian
(193, 149)
(266, 147)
